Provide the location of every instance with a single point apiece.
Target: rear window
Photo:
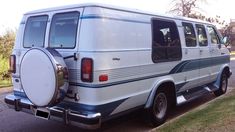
(35, 29)
(63, 30)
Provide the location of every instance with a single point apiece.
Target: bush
(4, 66)
(6, 43)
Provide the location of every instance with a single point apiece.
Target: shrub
(4, 66)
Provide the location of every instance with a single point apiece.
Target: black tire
(223, 85)
(158, 112)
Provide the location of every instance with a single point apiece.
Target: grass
(5, 83)
(218, 116)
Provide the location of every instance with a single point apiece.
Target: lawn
(5, 83)
(218, 116)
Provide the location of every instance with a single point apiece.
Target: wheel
(223, 85)
(159, 109)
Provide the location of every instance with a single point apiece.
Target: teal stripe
(111, 18)
(190, 65)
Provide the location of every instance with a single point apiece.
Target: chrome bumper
(86, 121)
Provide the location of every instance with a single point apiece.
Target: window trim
(202, 26)
(152, 35)
(44, 38)
(49, 36)
(195, 35)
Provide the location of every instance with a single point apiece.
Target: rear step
(42, 113)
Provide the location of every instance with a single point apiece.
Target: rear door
(63, 36)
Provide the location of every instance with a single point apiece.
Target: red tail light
(87, 70)
(12, 64)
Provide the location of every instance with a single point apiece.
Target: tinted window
(166, 43)
(213, 35)
(190, 37)
(202, 38)
(35, 31)
(63, 30)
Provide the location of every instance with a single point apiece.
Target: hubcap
(160, 105)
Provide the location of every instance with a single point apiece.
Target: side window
(213, 35)
(202, 37)
(63, 30)
(165, 41)
(189, 33)
(35, 29)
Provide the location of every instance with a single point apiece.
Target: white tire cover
(44, 78)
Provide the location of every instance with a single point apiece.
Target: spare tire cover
(44, 76)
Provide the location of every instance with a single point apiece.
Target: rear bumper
(80, 119)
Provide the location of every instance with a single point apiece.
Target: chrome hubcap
(160, 105)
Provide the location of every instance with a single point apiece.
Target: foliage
(217, 116)
(191, 8)
(4, 68)
(183, 7)
(5, 83)
(6, 43)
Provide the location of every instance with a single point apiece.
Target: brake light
(87, 70)
(12, 64)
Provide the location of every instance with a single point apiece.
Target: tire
(223, 85)
(158, 112)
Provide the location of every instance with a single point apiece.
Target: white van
(85, 64)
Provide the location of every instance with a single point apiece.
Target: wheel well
(169, 89)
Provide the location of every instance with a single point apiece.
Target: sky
(11, 11)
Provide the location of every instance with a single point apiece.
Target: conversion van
(85, 64)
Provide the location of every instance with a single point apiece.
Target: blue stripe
(21, 94)
(199, 63)
(115, 83)
(178, 67)
(104, 109)
(184, 66)
(111, 18)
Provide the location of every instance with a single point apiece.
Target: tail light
(12, 64)
(87, 70)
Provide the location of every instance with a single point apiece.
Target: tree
(6, 43)
(185, 8)
(191, 8)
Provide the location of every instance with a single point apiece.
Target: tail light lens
(87, 70)
(12, 64)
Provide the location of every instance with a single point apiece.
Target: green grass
(217, 116)
(5, 83)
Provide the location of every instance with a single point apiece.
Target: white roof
(115, 8)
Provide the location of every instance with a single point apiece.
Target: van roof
(114, 8)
